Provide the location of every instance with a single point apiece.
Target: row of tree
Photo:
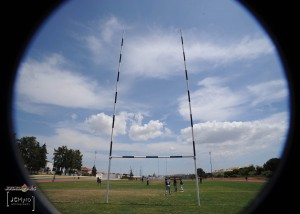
(34, 155)
(267, 170)
(69, 161)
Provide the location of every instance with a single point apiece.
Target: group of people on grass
(168, 185)
(167, 182)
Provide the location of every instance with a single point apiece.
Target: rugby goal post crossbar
(152, 156)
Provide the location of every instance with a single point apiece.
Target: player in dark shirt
(175, 184)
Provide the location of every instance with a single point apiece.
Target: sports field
(84, 195)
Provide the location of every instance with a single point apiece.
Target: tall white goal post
(152, 156)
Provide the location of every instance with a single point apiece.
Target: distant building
(112, 176)
(86, 171)
(49, 168)
(99, 175)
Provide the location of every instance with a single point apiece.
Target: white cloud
(103, 42)
(74, 139)
(109, 27)
(51, 82)
(87, 143)
(215, 101)
(157, 53)
(150, 130)
(102, 123)
(212, 101)
(127, 122)
(268, 92)
(246, 48)
(78, 139)
(227, 140)
(239, 138)
(167, 58)
(74, 116)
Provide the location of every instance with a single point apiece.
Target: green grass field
(136, 197)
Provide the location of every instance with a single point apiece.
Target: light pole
(95, 158)
(210, 164)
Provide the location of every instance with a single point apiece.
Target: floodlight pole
(95, 159)
(113, 121)
(191, 118)
(210, 165)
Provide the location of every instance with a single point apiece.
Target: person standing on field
(175, 184)
(181, 185)
(168, 184)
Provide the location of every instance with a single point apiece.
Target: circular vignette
(278, 19)
(20, 21)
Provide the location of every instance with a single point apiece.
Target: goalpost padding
(152, 156)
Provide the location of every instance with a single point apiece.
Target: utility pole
(210, 164)
(95, 159)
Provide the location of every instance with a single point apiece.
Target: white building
(49, 167)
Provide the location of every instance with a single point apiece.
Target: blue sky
(64, 91)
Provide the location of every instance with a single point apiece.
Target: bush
(268, 173)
